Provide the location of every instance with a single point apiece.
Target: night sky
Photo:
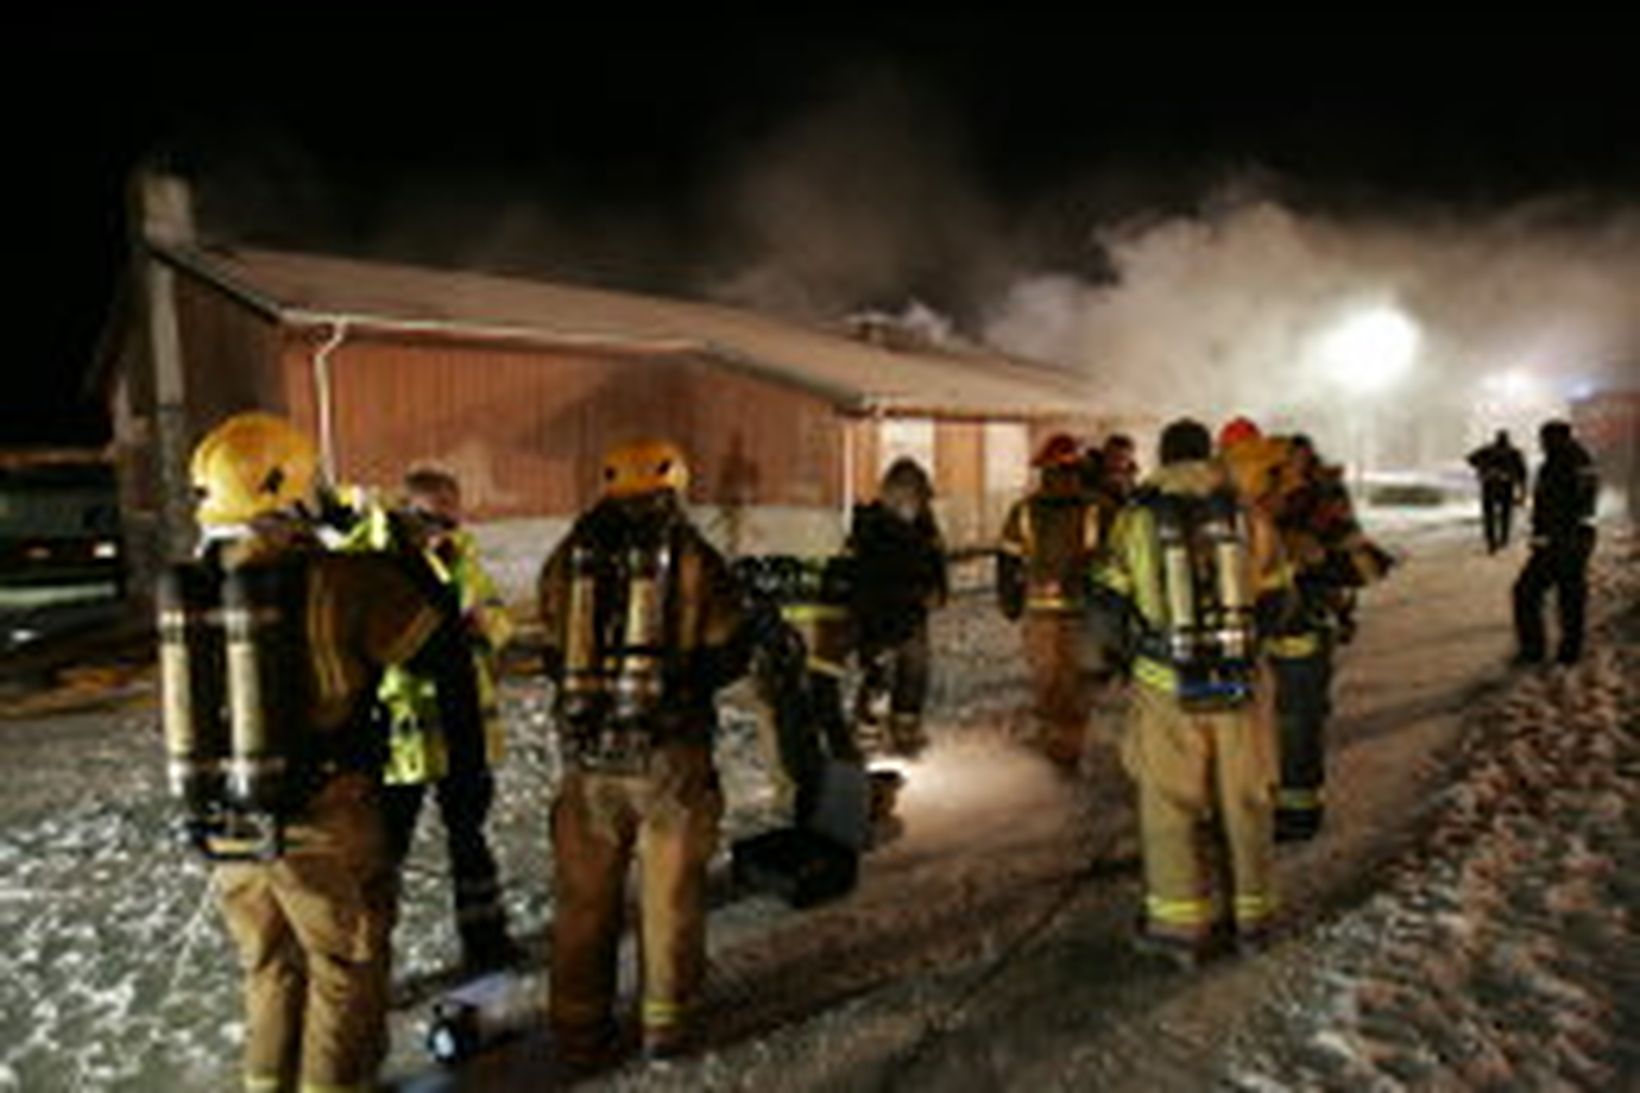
(331, 132)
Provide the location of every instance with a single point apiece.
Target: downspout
(322, 398)
(848, 473)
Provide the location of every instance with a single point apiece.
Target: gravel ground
(1466, 921)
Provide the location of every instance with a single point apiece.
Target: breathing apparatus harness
(242, 759)
(227, 645)
(1206, 632)
(623, 678)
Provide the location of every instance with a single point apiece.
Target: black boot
(489, 950)
(1297, 824)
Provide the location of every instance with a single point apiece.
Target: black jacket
(899, 573)
(1567, 488)
(1499, 464)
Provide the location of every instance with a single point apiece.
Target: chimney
(165, 208)
(162, 217)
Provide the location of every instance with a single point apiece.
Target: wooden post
(163, 215)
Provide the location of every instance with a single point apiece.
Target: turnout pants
(1060, 697)
(464, 796)
(900, 671)
(667, 817)
(1204, 783)
(312, 932)
(1303, 704)
(1497, 506)
(1563, 565)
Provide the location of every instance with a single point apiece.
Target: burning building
(518, 386)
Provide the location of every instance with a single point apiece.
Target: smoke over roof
(1179, 281)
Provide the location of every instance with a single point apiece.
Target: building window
(1007, 457)
(911, 437)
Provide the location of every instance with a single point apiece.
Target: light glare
(1372, 349)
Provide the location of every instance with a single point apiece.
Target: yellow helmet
(644, 466)
(250, 465)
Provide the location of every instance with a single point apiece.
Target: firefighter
(1090, 468)
(422, 754)
(1253, 461)
(1119, 470)
(1237, 430)
(1331, 558)
(1048, 542)
(643, 623)
(1192, 565)
(1564, 496)
(1502, 473)
(797, 609)
(306, 885)
(899, 576)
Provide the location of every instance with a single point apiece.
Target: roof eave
(846, 400)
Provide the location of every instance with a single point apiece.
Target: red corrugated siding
(1607, 422)
(524, 428)
(229, 356)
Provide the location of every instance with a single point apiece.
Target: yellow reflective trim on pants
(659, 1013)
(1179, 912)
(1295, 799)
(1058, 604)
(826, 667)
(1155, 674)
(810, 612)
(1251, 908)
(1293, 646)
(263, 1083)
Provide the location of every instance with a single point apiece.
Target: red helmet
(1238, 429)
(1060, 450)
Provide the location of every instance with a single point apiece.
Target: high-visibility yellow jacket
(418, 752)
(823, 622)
(1130, 564)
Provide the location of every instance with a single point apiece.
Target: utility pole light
(1365, 355)
(1370, 350)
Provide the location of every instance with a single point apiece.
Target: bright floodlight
(1371, 350)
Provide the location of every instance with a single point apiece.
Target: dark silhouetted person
(1563, 505)
(899, 576)
(1502, 471)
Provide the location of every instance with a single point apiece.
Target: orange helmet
(644, 466)
(1059, 450)
(1237, 430)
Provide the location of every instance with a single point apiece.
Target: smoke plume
(1518, 310)
(1212, 303)
(1208, 291)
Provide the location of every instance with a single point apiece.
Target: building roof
(856, 376)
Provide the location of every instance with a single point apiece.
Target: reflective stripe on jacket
(1130, 566)
(1055, 536)
(418, 752)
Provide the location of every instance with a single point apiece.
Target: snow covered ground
(1503, 951)
(1467, 920)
